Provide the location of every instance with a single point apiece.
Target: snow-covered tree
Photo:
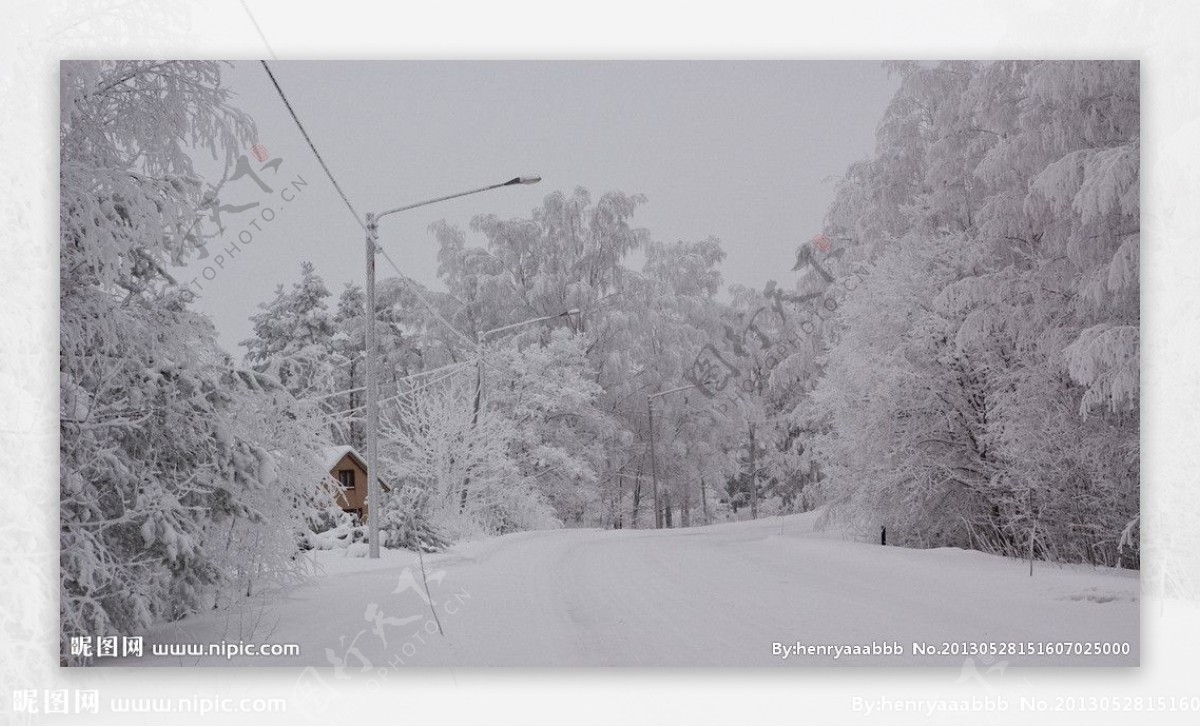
(434, 440)
(1008, 192)
(543, 386)
(168, 451)
(293, 335)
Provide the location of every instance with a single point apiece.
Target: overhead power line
(307, 138)
(413, 285)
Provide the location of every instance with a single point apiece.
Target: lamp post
(372, 392)
(653, 468)
(484, 334)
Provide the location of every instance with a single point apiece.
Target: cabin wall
(352, 500)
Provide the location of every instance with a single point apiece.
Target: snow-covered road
(712, 596)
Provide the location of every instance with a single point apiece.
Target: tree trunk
(462, 505)
(753, 476)
(637, 495)
(658, 519)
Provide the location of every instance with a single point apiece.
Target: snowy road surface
(712, 596)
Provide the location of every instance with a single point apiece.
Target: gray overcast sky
(742, 150)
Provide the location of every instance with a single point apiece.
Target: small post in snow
(883, 535)
(1032, 538)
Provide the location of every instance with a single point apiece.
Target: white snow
(333, 455)
(711, 596)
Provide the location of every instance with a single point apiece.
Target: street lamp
(484, 334)
(372, 393)
(653, 468)
(481, 337)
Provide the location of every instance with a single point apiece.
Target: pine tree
(293, 336)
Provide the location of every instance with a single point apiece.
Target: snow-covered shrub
(335, 532)
(460, 463)
(405, 522)
(292, 491)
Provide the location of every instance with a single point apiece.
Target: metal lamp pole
(372, 392)
(653, 467)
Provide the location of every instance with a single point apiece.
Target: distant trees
(648, 342)
(581, 340)
(562, 264)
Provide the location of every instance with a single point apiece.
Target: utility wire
(361, 224)
(412, 284)
(317, 154)
(416, 289)
(259, 29)
(417, 375)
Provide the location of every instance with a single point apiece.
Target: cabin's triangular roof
(333, 455)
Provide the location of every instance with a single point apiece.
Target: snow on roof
(333, 455)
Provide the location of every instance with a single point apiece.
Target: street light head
(528, 179)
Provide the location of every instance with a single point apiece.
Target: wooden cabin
(349, 469)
